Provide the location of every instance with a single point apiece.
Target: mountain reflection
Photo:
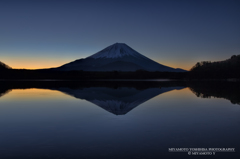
(121, 97)
(118, 101)
(116, 97)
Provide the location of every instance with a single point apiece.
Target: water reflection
(116, 97)
(118, 101)
(57, 119)
(4, 91)
(120, 97)
(217, 89)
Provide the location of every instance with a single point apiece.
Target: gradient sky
(49, 33)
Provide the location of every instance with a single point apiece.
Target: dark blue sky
(40, 34)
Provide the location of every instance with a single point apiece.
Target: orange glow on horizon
(34, 65)
(37, 63)
(57, 64)
(186, 65)
(41, 63)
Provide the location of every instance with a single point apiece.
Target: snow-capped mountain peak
(116, 57)
(115, 51)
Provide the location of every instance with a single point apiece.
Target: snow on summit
(115, 51)
(116, 57)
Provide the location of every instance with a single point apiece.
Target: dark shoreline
(16, 74)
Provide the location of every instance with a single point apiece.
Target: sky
(177, 33)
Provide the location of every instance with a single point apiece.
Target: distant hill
(3, 66)
(227, 65)
(229, 68)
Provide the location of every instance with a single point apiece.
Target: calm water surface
(117, 120)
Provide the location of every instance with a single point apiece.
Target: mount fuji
(116, 57)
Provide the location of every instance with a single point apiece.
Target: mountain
(117, 57)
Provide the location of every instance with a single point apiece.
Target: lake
(119, 119)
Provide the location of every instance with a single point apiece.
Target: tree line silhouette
(229, 68)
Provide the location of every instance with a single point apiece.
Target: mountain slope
(4, 66)
(117, 57)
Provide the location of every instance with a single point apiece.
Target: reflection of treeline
(49, 74)
(203, 89)
(229, 68)
(226, 90)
